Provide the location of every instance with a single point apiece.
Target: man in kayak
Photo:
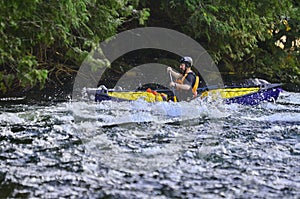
(187, 82)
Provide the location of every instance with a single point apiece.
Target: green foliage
(38, 36)
(28, 74)
(241, 35)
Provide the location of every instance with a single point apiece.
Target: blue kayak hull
(270, 94)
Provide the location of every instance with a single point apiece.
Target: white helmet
(187, 60)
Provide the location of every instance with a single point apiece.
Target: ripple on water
(141, 150)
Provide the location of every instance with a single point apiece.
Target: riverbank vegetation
(46, 41)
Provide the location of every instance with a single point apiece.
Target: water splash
(213, 150)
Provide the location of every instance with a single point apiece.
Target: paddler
(187, 81)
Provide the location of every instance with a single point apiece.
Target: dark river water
(141, 150)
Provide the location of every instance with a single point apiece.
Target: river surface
(141, 150)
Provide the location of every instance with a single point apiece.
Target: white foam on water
(277, 106)
(114, 113)
(11, 118)
(277, 117)
(289, 97)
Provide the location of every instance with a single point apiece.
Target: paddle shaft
(173, 89)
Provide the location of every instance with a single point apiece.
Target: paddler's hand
(169, 69)
(172, 84)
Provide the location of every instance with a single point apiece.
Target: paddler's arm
(180, 86)
(173, 73)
